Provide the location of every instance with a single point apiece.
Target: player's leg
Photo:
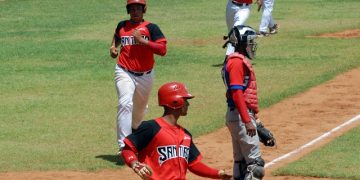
(231, 10)
(141, 97)
(273, 27)
(266, 16)
(125, 89)
(250, 148)
(233, 124)
(242, 15)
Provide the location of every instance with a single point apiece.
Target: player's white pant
(235, 15)
(267, 20)
(245, 148)
(133, 95)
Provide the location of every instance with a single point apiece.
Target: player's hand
(142, 170)
(223, 174)
(250, 129)
(113, 52)
(138, 37)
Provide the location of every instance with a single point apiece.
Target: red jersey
(168, 150)
(134, 56)
(243, 1)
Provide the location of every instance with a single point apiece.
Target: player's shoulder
(149, 124)
(122, 23)
(187, 132)
(151, 25)
(236, 55)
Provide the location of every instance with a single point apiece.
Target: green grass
(58, 100)
(338, 159)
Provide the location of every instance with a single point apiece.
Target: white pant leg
(271, 21)
(125, 88)
(266, 18)
(235, 15)
(141, 97)
(241, 15)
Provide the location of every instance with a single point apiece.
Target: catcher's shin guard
(256, 170)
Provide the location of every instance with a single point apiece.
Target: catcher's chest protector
(250, 92)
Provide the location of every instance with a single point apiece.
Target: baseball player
(241, 92)
(139, 40)
(267, 23)
(161, 148)
(237, 12)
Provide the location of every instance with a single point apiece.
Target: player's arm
(236, 74)
(157, 47)
(199, 168)
(158, 40)
(113, 48)
(116, 41)
(139, 139)
(130, 159)
(129, 154)
(203, 170)
(236, 71)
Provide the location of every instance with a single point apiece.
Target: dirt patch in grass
(353, 33)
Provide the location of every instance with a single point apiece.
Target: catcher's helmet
(173, 95)
(142, 2)
(243, 37)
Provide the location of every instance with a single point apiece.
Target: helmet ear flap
(178, 102)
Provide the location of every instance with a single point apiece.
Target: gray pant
(245, 148)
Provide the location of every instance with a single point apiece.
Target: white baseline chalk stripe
(356, 118)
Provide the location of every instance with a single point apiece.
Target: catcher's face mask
(251, 49)
(243, 36)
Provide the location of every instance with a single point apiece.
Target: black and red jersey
(134, 56)
(164, 148)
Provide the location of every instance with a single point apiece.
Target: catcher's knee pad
(256, 170)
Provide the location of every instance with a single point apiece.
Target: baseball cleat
(274, 29)
(262, 34)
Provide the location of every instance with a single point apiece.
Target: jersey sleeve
(155, 33)
(119, 26)
(203, 170)
(194, 153)
(235, 69)
(142, 136)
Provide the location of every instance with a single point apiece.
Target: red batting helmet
(142, 2)
(172, 95)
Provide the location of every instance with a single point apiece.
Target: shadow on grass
(112, 158)
(217, 65)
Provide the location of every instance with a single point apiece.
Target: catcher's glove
(265, 136)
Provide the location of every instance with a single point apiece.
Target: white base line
(312, 142)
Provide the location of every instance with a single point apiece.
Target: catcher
(241, 92)
(161, 148)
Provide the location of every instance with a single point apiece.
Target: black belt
(240, 4)
(135, 73)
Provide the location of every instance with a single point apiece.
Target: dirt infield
(294, 122)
